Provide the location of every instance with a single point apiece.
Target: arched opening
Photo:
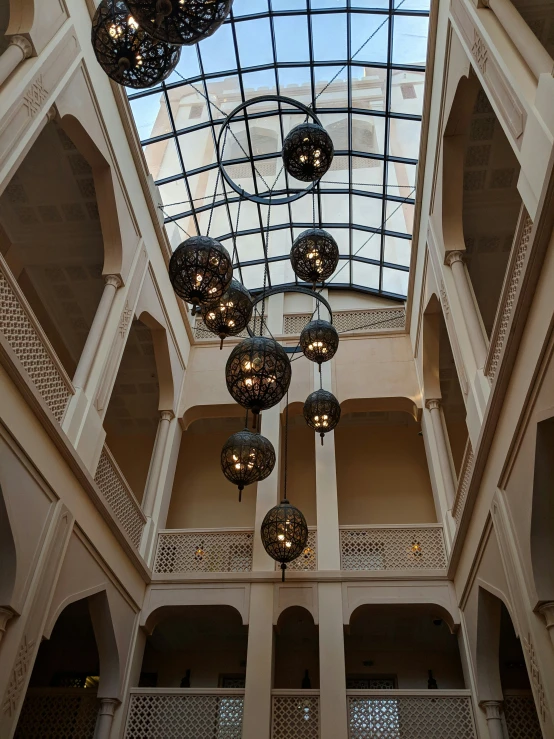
(4, 23)
(501, 670)
(8, 556)
(132, 417)
(196, 647)
(401, 647)
(491, 206)
(542, 516)
(452, 399)
(52, 242)
(62, 693)
(378, 451)
(296, 650)
(202, 497)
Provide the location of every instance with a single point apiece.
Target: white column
(494, 719)
(268, 490)
(256, 722)
(105, 718)
(455, 260)
(433, 405)
(332, 675)
(112, 283)
(328, 541)
(5, 615)
(18, 50)
(547, 611)
(156, 465)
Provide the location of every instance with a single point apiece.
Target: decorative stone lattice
(166, 716)
(308, 558)
(521, 717)
(497, 345)
(392, 548)
(408, 717)
(29, 348)
(61, 712)
(464, 479)
(229, 551)
(378, 319)
(201, 332)
(295, 717)
(119, 497)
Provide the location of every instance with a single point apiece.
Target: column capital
(23, 44)
(492, 709)
(108, 706)
(5, 615)
(433, 404)
(452, 257)
(113, 280)
(547, 612)
(167, 415)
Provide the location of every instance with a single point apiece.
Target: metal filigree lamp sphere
(284, 533)
(182, 22)
(125, 52)
(258, 373)
(319, 341)
(307, 152)
(322, 412)
(200, 271)
(231, 314)
(247, 458)
(314, 255)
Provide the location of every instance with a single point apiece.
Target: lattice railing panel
(119, 497)
(225, 551)
(58, 713)
(508, 299)
(308, 558)
(392, 548)
(521, 717)
(377, 319)
(410, 717)
(295, 717)
(30, 349)
(166, 716)
(466, 472)
(201, 332)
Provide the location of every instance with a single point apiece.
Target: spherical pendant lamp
(322, 412)
(200, 271)
(307, 152)
(182, 22)
(125, 52)
(246, 458)
(319, 341)
(258, 373)
(284, 533)
(314, 255)
(231, 314)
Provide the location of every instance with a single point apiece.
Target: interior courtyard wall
(376, 483)
(301, 479)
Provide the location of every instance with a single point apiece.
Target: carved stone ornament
(479, 51)
(535, 676)
(19, 676)
(34, 96)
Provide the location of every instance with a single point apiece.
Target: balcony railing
(466, 471)
(374, 319)
(295, 714)
(30, 345)
(187, 713)
(119, 496)
(308, 559)
(62, 712)
(520, 715)
(410, 714)
(392, 547)
(204, 550)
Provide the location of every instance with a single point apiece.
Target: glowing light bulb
(238, 466)
(211, 315)
(248, 381)
(281, 537)
(132, 22)
(288, 544)
(198, 279)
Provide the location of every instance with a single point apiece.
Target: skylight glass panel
(369, 97)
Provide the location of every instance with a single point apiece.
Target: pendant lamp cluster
(138, 42)
(258, 369)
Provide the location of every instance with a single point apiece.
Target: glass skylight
(367, 93)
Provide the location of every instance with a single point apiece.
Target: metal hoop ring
(289, 289)
(249, 196)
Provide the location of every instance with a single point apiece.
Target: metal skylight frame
(344, 280)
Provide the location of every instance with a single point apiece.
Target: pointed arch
(542, 512)
(163, 360)
(8, 556)
(431, 333)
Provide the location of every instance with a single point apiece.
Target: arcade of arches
(137, 600)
